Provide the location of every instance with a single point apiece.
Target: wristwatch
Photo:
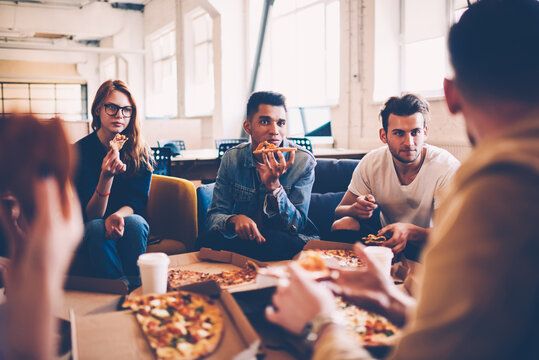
(312, 330)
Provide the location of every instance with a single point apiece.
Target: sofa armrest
(204, 196)
(172, 210)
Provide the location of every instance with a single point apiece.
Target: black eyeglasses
(112, 110)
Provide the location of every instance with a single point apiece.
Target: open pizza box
(117, 335)
(273, 274)
(400, 269)
(216, 261)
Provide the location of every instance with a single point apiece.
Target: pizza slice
(372, 239)
(245, 275)
(266, 147)
(179, 325)
(118, 142)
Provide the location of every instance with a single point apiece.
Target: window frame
(452, 11)
(166, 58)
(266, 63)
(83, 99)
(191, 107)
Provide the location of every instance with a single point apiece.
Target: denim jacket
(238, 190)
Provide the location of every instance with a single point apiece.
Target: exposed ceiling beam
(97, 50)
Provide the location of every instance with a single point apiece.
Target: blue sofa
(331, 182)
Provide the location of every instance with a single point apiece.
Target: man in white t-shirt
(394, 189)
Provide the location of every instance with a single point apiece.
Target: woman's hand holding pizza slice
(118, 142)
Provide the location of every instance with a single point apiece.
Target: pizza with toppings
(369, 328)
(118, 142)
(179, 325)
(225, 279)
(318, 262)
(374, 240)
(266, 147)
(178, 278)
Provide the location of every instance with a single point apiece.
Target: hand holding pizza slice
(118, 142)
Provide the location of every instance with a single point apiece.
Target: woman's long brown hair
(136, 153)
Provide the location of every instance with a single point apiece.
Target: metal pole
(262, 34)
(256, 65)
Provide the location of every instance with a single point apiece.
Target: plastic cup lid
(153, 258)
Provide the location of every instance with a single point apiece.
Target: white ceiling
(79, 20)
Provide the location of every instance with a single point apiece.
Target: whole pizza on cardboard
(179, 325)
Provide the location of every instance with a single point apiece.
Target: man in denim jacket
(260, 202)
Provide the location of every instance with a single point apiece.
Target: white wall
(355, 121)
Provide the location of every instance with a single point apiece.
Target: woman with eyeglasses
(113, 187)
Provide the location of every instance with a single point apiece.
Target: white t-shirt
(413, 203)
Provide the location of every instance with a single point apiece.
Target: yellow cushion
(168, 246)
(172, 214)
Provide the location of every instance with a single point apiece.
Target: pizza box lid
(117, 335)
(229, 257)
(327, 245)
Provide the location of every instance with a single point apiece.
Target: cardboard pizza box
(327, 245)
(117, 335)
(92, 284)
(229, 257)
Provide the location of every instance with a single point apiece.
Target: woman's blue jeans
(116, 258)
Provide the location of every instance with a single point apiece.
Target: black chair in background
(224, 144)
(162, 156)
(176, 146)
(306, 143)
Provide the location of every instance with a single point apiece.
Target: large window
(199, 99)
(46, 100)
(162, 93)
(301, 52)
(412, 55)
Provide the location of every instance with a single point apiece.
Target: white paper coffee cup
(153, 272)
(382, 256)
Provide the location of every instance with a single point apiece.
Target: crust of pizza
(179, 325)
(373, 239)
(266, 147)
(118, 142)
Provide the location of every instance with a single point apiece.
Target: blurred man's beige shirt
(480, 294)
